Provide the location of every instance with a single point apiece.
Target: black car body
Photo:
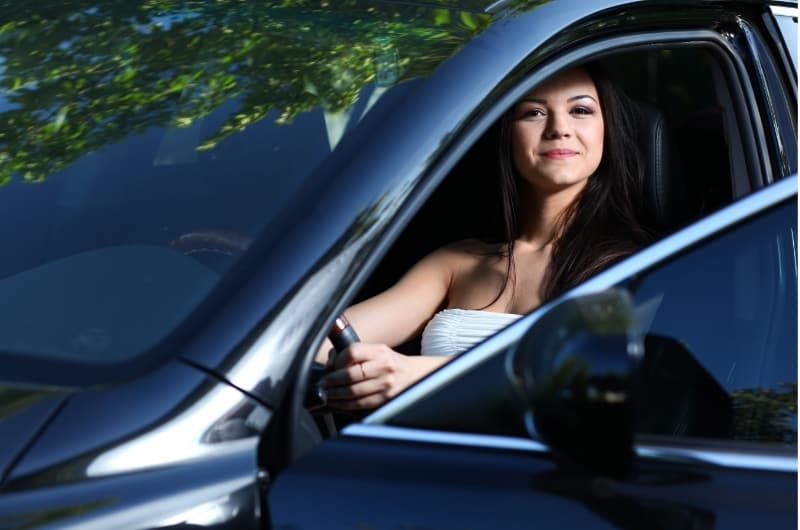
(193, 191)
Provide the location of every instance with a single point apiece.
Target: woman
(570, 186)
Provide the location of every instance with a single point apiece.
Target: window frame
(748, 161)
(540, 64)
(769, 80)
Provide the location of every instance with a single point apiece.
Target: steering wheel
(213, 247)
(341, 336)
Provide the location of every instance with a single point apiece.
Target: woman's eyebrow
(571, 99)
(582, 96)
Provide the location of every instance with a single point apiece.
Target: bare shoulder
(471, 250)
(455, 260)
(477, 273)
(465, 255)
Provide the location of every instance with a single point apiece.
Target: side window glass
(721, 324)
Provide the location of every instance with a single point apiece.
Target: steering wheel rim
(211, 240)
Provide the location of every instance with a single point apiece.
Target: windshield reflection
(78, 77)
(144, 143)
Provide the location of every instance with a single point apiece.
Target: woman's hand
(365, 376)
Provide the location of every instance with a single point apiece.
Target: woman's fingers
(365, 376)
(350, 389)
(366, 402)
(356, 390)
(347, 376)
(361, 352)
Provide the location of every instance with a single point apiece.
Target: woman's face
(557, 133)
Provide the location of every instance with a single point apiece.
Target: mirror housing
(574, 372)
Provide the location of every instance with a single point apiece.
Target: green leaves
(76, 78)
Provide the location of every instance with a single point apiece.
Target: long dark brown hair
(603, 223)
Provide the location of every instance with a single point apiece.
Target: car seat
(664, 187)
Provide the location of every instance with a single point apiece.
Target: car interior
(692, 158)
(698, 157)
(686, 134)
(695, 162)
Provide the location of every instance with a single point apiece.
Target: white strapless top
(452, 331)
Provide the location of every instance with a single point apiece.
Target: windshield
(144, 144)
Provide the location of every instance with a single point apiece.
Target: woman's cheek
(524, 138)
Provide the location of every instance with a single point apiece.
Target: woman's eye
(582, 110)
(532, 113)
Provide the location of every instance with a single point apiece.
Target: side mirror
(574, 371)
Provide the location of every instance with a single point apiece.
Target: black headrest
(664, 187)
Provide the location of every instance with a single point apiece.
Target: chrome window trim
(639, 262)
(496, 6)
(727, 459)
(784, 11)
(407, 434)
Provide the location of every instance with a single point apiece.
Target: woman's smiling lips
(559, 154)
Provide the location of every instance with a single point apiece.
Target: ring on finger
(363, 374)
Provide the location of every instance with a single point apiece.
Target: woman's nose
(556, 126)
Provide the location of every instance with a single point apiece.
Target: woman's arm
(401, 312)
(369, 373)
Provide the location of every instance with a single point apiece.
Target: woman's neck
(541, 215)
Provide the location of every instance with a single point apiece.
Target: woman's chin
(559, 183)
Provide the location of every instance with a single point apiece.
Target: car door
(454, 451)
